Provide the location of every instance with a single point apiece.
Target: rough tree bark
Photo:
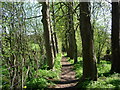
(67, 35)
(89, 60)
(53, 41)
(115, 37)
(54, 28)
(47, 36)
(71, 39)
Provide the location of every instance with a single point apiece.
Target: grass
(42, 80)
(105, 79)
(44, 76)
(5, 78)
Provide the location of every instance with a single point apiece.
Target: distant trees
(68, 36)
(102, 33)
(89, 60)
(115, 37)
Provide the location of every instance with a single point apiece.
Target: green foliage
(101, 41)
(78, 67)
(57, 64)
(105, 78)
(112, 81)
(5, 83)
(34, 47)
(79, 43)
(22, 38)
(37, 83)
(103, 67)
(44, 76)
(5, 78)
(47, 74)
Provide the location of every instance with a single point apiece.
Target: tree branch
(33, 17)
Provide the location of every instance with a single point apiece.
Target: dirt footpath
(67, 77)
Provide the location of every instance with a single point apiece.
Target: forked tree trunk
(89, 61)
(115, 37)
(47, 36)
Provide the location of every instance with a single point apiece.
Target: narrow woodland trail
(67, 77)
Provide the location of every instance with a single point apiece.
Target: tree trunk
(56, 42)
(47, 36)
(115, 37)
(53, 41)
(1, 60)
(70, 29)
(66, 37)
(66, 41)
(71, 38)
(54, 28)
(89, 60)
(98, 58)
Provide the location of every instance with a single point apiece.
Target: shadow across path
(66, 82)
(66, 65)
(67, 76)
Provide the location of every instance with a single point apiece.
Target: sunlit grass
(44, 76)
(105, 79)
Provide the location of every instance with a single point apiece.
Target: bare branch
(34, 17)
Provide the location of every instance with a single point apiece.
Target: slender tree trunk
(98, 58)
(72, 40)
(66, 41)
(115, 37)
(99, 53)
(89, 60)
(52, 41)
(47, 36)
(56, 42)
(67, 37)
(54, 28)
(1, 60)
(70, 29)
